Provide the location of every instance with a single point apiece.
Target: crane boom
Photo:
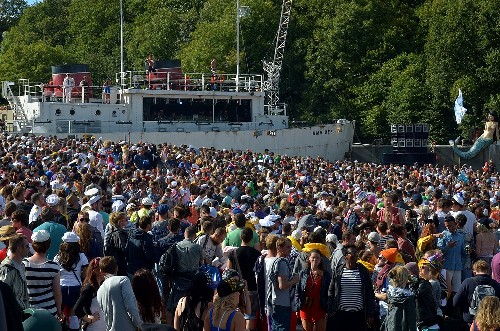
(273, 69)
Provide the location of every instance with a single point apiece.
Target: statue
(486, 139)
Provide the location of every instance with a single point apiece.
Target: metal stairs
(20, 121)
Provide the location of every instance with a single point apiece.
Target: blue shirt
(452, 256)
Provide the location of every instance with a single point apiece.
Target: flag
(459, 107)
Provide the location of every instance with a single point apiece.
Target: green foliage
(374, 61)
(10, 12)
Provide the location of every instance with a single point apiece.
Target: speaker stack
(409, 145)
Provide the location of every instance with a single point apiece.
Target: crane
(273, 68)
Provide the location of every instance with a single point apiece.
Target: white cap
(92, 191)
(117, 206)
(459, 199)
(52, 200)
(93, 199)
(70, 237)
(147, 201)
(40, 236)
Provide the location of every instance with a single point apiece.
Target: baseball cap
(374, 237)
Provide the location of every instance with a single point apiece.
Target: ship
(163, 104)
(168, 106)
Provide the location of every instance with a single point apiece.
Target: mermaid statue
(486, 139)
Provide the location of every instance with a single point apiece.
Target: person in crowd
(140, 248)
(452, 244)
(88, 246)
(38, 203)
(12, 270)
(43, 277)
(55, 230)
(10, 207)
(20, 223)
(116, 299)
(402, 313)
(312, 293)
(224, 315)
(117, 240)
(389, 214)
(212, 245)
(86, 307)
(192, 309)
(73, 264)
(280, 287)
(427, 241)
(465, 297)
(192, 256)
(385, 235)
(351, 301)
(314, 241)
(243, 260)
(426, 306)
(486, 244)
(488, 317)
(233, 238)
(148, 296)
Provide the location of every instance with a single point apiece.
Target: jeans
(281, 318)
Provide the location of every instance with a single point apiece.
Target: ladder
(20, 121)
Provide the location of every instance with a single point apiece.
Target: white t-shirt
(69, 278)
(471, 222)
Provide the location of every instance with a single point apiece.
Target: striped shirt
(351, 291)
(39, 278)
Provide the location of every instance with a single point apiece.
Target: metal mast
(273, 69)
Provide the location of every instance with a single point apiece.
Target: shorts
(70, 295)
(455, 277)
(107, 89)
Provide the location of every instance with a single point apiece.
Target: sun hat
(7, 232)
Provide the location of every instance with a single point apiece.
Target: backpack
(479, 293)
(169, 262)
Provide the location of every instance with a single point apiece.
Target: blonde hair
(399, 276)
(488, 317)
(229, 303)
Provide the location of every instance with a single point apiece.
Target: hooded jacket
(140, 251)
(402, 310)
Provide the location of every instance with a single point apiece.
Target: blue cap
(237, 211)
(162, 209)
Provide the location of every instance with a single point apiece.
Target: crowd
(102, 235)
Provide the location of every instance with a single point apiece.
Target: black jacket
(426, 306)
(116, 246)
(334, 290)
(464, 295)
(140, 251)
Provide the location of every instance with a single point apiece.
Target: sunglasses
(84, 219)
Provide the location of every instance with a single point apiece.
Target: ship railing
(40, 92)
(168, 80)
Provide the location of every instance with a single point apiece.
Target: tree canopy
(374, 61)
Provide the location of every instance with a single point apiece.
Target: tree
(10, 12)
